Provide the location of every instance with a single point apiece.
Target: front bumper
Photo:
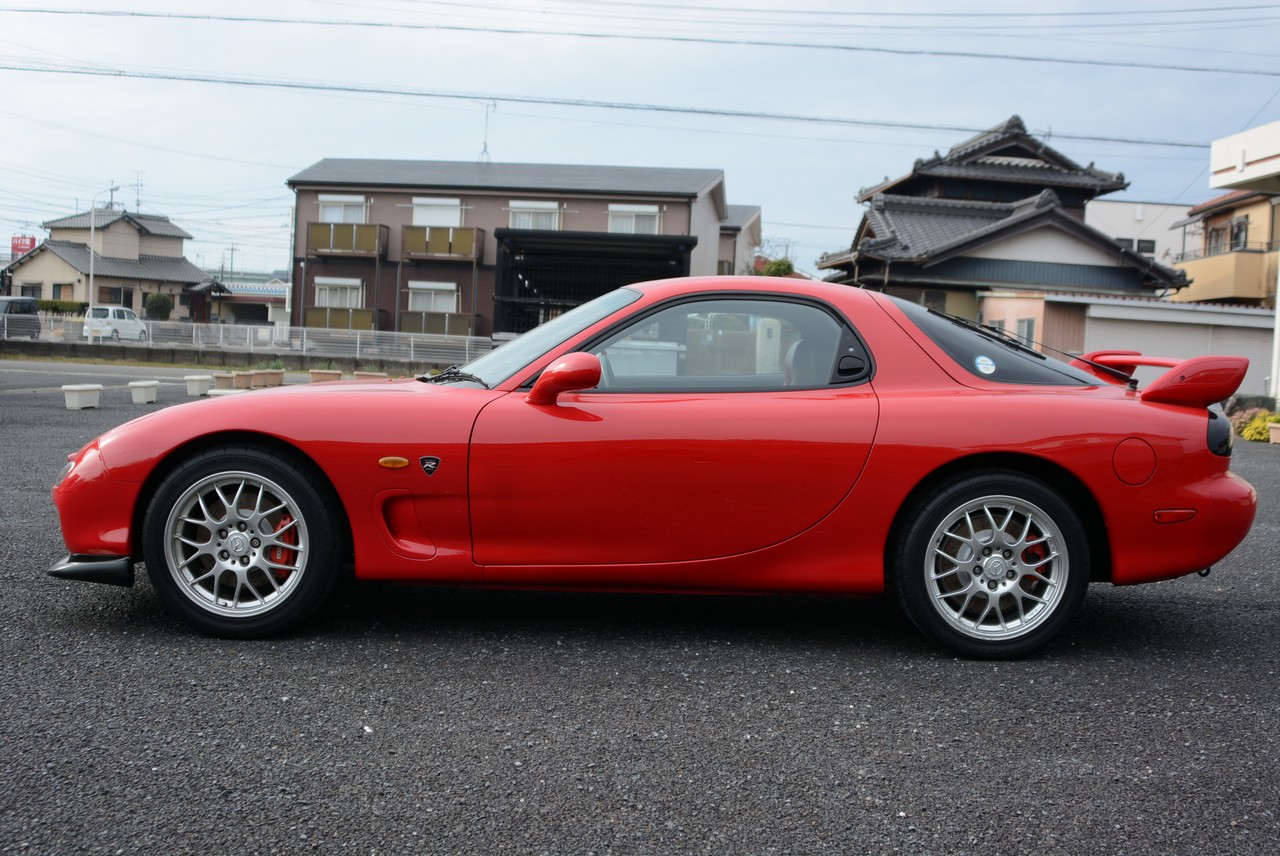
(113, 570)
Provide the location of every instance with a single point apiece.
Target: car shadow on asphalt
(1111, 622)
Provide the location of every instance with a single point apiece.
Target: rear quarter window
(990, 356)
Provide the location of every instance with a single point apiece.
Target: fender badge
(429, 464)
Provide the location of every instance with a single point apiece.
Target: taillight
(1221, 436)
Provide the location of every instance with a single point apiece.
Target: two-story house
(497, 248)
(133, 255)
(1230, 249)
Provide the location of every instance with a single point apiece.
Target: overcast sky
(837, 96)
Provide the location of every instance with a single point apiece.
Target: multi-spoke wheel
(239, 544)
(992, 565)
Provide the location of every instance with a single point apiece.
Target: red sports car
(728, 434)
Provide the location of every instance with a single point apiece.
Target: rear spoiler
(1197, 382)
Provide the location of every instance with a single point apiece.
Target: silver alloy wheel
(236, 544)
(997, 568)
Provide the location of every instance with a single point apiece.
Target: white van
(114, 322)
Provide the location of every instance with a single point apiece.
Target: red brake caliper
(279, 555)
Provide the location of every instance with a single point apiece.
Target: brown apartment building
(496, 248)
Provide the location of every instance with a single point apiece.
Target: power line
(559, 102)
(703, 40)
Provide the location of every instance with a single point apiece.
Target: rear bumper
(112, 570)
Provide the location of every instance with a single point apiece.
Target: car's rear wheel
(242, 544)
(992, 565)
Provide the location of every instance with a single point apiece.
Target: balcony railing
(436, 323)
(1239, 275)
(441, 242)
(363, 240)
(1255, 247)
(333, 318)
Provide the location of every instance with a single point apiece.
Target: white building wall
(1044, 245)
(1122, 218)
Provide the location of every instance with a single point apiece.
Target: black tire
(241, 543)
(991, 565)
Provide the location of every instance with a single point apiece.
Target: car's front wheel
(992, 565)
(241, 544)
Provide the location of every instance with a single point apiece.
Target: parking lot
(414, 720)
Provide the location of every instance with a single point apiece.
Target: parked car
(113, 322)
(726, 434)
(19, 318)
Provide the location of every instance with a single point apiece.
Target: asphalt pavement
(416, 720)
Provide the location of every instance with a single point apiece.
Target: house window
(1239, 233)
(338, 208)
(32, 290)
(535, 214)
(433, 296)
(339, 292)
(1216, 241)
(1027, 330)
(64, 291)
(1127, 243)
(119, 296)
(434, 211)
(634, 219)
(1146, 247)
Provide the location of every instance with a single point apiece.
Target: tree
(158, 306)
(778, 267)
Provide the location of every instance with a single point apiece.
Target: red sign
(22, 244)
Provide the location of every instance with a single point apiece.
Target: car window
(129, 315)
(990, 356)
(721, 345)
(98, 312)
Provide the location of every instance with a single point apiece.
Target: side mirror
(571, 372)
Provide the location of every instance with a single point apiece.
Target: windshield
(988, 354)
(499, 364)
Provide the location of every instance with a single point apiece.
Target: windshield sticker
(985, 364)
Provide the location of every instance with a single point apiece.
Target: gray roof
(151, 224)
(926, 232)
(1007, 153)
(739, 216)
(149, 268)
(630, 180)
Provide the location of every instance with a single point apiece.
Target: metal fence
(267, 339)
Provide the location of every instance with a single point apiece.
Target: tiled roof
(515, 177)
(151, 224)
(1027, 172)
(925, 231)
(1007, 154)
(1223, 201)
(908, 227)
(150, 268)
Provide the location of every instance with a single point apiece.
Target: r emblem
(429, 464)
